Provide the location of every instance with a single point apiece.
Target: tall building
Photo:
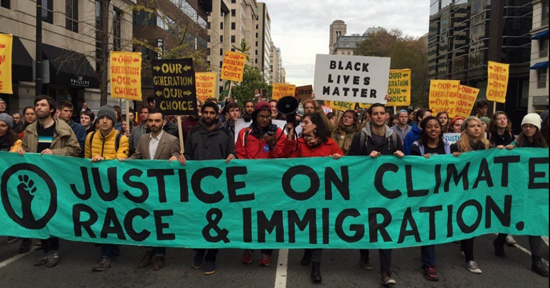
(177, 28)
(337, 28)
(263, 41)
(465, 34)
(538, 78)
(231, 22)
(276, 65)
(70, 47)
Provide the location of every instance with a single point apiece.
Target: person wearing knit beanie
(107, 111)
(533, 119)
(6, 118)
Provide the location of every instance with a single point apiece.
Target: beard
(210, 122)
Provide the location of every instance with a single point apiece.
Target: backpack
(364, 144)
(117, 140)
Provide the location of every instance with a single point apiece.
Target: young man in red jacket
(262, 140)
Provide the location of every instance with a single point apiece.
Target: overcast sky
(301, 28)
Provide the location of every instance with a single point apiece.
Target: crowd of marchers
(50, 128)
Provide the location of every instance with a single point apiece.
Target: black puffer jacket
(202, 144)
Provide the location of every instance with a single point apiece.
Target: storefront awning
(540, 35)
(540, 65)
(21, 62)
(69, 68)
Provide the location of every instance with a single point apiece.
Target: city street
(340, 268)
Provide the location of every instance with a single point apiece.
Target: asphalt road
(340, 268)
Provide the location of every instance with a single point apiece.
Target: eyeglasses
(525, 126)
(261, 117)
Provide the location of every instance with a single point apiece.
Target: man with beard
(53, 137)
(374, 140)
(208, 141)
(157, 145)
(248, 110)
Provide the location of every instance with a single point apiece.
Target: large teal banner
(353, 202)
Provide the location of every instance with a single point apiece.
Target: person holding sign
(482, 108)
(156, 145)
(106, 144)
(52, 137)
(346, 130)
(431, 142)
(208, 141)
(374, 140)
(315, 142)
(443, 118)
(530, 137)
(471, 139)
(262, 140)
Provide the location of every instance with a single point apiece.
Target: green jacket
(64, 140)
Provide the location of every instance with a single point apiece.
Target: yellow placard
(443, 95)
(233, 66)
(497, 81)
(399, 88)
(6, 44)
(281, 90)
(206, 85)
(126, 75)
(341, 105)
(465, 100)
(364, 105)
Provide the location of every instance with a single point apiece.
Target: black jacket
(171, 128)
(391, 144)
(202, 144)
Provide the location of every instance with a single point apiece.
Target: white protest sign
(351, 78)
(454, 137)
(241, 124)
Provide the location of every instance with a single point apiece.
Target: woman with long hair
(443, 118)
(499, 131)
(347, 129)
(530, 136)
(431, 142)
(315, 141)
(472, 138)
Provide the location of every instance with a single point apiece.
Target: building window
(221, 51)
(233, 13)
(543, 47)
(221, 38)
(233, 26)
(221, 25)
(541, 77)
(117, 29)
(232, 38)
(71, 15)
(47, 11)
(98, 24)
(5, 4)
(544, 14)
(233, 49)
(233, 1)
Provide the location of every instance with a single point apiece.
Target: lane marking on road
(15, 258)
(282, 265)
(545, 239)
(529, 252)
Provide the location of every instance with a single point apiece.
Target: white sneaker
(472, 267)
(510, 240)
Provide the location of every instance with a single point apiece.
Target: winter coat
(344, 138)
(203, 144)
(97, 145)
(410, 138)
(299, 148)
(388, 147)
(251, 145)
(64, 140)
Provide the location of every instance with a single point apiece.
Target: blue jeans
(109, 251)
(428, 256)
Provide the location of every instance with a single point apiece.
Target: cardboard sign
(351, 78)
(174, 86)
(497, 81)
(399, 88)
(443, 95)
(281, 90)
(6, 44)
(304, 92)
(206, 85)
(465, 101)
(233, 66)
(342, 106)
(126, 75)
